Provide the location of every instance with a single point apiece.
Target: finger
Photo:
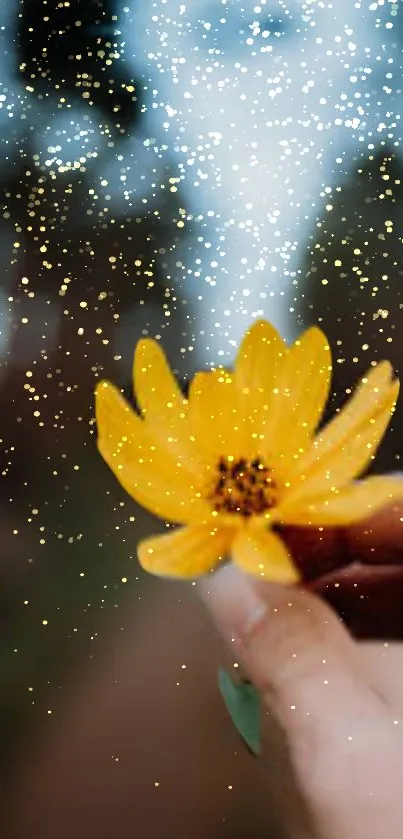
(319, 551)
(384, 664)
(378, 539)
(339, 729)
(316, 551)
(295, 651)
(367, 597)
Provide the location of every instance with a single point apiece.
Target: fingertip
(378, 539)
(235, 600)
(239, 603)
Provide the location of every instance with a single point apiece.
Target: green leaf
(243, 705)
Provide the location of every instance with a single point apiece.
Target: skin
(340, 702)
(322, 785)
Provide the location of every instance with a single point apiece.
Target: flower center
(243, 486)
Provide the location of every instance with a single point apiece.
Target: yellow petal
(259, 357)
(303, 385)
(153, 475)
(287, 389)
(155, 387)
(347, 461)
(360, 501)
(257, 368)
(263, 554)
(185, 552)
(366, 401)
(163, 404)
(214, 415)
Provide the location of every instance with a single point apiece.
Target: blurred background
(110, 721)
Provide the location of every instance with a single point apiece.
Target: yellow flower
(240, 455)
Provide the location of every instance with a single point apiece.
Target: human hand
(339, 701)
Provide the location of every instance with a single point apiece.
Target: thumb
(298, 655)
